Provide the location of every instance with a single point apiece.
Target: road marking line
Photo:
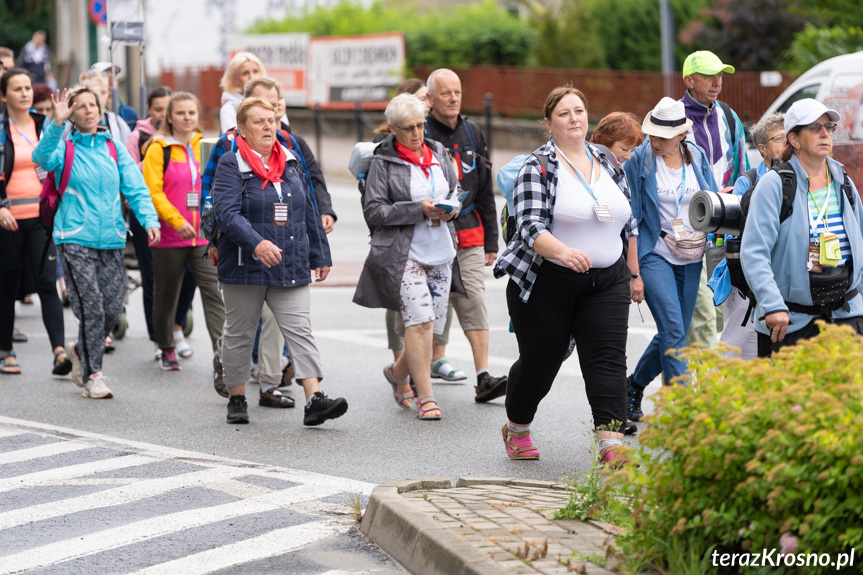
(9, 433)
(162, 453)
(144, 530)
(271, 544)
(238, 489)
(62, 475)
(48, 450)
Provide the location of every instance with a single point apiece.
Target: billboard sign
(344, 70)
(284, 56)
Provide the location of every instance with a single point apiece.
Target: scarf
(276, 164)
(410, 157)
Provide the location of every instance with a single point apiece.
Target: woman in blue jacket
(89, 229)
(272, 240)
(664, 173)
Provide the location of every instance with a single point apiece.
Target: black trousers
(26, 246)
(766, 347)
(593, 308)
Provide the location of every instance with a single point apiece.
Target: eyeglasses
(777, 139)
(816, 128)
(421, 126)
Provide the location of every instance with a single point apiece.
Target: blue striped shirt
(833, 217)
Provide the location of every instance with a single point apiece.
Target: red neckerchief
(276, 164)
(410, 157)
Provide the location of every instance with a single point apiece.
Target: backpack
(789, 191)
(506, 184)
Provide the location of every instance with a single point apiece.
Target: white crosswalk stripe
(128, 479)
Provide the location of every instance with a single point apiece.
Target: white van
(838, 83)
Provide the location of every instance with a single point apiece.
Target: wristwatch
(5, 203)
(634, 276)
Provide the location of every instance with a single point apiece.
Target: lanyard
(20, 133)
(822, 212)
(580, 179)
(192, 167)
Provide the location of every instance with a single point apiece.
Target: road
(375, 442)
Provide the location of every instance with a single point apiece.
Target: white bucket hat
(667, 120)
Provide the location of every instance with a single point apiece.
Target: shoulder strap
(751, 175)
(166, 158)
(68, 158)
(846, 187)
(729, 117)
(143, 138)
(112, 149)
(543, 166)
(789, 189)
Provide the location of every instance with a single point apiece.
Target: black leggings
(592, 307)
(27, 245)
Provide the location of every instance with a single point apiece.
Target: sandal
(63, 367)
(394, 381)
(441, 369)
(519, 444)
(8, 365)
(615, 455)
(109, 345)
(423, 412)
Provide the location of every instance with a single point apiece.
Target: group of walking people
(601, 221)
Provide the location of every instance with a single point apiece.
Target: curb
(405, 528)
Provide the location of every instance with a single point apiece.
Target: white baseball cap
(806, 111)
(102, 67)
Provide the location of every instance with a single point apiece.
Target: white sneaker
(157, 353)
(95, 388)
(77, 368)
(181, 346)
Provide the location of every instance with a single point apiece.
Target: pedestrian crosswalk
(77, 502)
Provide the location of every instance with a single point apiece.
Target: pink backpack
(49, 199)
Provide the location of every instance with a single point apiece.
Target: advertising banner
(285, 58)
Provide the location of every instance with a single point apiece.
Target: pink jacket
(143, 126)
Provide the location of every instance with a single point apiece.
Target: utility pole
(666, 32)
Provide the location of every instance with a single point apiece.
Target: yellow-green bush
(753, 452)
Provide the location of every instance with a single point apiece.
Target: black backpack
(789, 191)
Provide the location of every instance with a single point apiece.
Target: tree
(814, 45)
(750, 34)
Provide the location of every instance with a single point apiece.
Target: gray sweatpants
(290, 306)
(96, 284)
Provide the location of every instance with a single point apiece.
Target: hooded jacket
(90, 211)
(169, 188)
(133, 142)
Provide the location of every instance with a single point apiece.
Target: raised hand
(62, 110)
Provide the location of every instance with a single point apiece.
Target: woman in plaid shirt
(569, 277)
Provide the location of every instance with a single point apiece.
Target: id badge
(678, 229)
(603, 213)
(193, 200)
(813, 263)
(829, 255)
(280, 214)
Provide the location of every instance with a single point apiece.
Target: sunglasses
(816, 128)
(419, 126)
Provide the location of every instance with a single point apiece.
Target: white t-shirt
(575, 222)
(430, 246)
(668, 186)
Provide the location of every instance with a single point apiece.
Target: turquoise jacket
(90, 211)
(774, 255)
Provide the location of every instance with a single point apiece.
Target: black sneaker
(488, 387)
(630, 428)
(321, 408)
(633, 405)
(169, 360)
(238, 409)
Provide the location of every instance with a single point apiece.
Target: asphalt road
(374, 442)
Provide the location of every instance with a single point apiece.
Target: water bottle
(711, 240)
(720, 241)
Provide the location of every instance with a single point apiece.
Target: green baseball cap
(704, 62)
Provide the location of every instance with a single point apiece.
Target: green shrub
(815, 44)
(751, 453)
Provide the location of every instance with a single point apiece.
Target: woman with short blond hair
(243, 67)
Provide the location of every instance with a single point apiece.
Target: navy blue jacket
(245, 215)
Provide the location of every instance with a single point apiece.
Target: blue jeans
(670, 292)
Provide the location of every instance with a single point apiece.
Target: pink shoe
(614, 456)
(518, 444)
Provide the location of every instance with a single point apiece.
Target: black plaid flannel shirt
(534, 207)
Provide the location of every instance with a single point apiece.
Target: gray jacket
(388, 208)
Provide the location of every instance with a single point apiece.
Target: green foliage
(20, 18)
(557, 45)
(814, 45)
(465, 35)
(755, 456)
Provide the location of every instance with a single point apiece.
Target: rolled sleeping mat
(715, 213)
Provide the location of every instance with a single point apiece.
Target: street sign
(126, 22)
(98, 10)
